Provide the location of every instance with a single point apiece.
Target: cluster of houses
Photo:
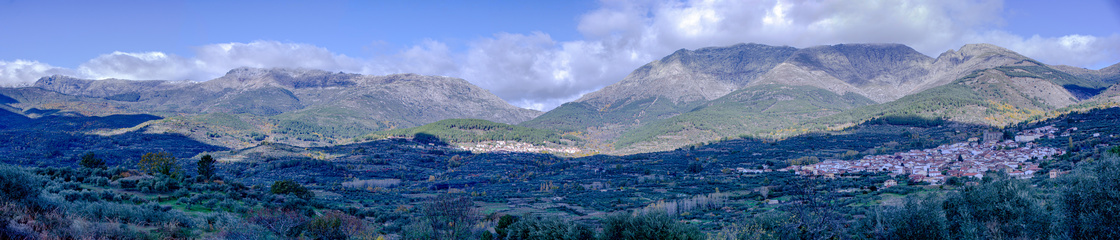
(511, 146)
(936, 165)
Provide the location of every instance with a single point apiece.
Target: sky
(533, 54)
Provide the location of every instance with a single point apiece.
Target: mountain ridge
(305, 104)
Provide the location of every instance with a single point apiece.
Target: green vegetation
(654, 225)
(206, 167)
(220, 119)
(577, 116)
(315, 124)
(161, 163)
(91, 161)
(291, 187)
(933, 103)
(476, 130)
(749, 111)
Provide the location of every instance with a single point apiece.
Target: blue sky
(535, 54)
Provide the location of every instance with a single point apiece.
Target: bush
(91, 161)
(162, 163)
(1003, 208)
(653, 225)
(291, 187)
(535, 228)
(206, 167)
(334, 224)
(277, 221)
(1090, 200)
(18, 184)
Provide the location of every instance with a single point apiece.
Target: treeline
(476, 130)
(308, 131)
(908, 120)
(448, 217)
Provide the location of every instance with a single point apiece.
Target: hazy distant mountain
(306, 104)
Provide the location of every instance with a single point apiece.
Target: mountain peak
(290, 78)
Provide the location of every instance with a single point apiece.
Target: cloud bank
(535, 71)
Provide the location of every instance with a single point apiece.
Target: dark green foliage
(475, 130)
(291, 187)
(653, 225)
(926, 104)
(502, 229)
(1003, 208)
(908, 120)
(334, 224)
(533, 228)
(206, 166)
(1091, 200)
(16, 184)
(444, 217)
(162, 163)
(919, 218)
(695, 167)
(91, 161)
(426, 138)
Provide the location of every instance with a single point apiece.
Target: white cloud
(1075, 50)
(535, 71)
(266, 54)
(144, 66)
(24, 73)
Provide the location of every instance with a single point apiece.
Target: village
(511, 146)
(1018, 158)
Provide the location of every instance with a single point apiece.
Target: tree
(18, 184)
(206, 167)
(90, 161)
(1090, 201)
(535, 228)
(162, 163)
(448, 217)
(289, 186)
(653, 225)
(1000, 208)
(695, 167)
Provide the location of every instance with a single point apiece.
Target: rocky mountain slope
(685, 96)
(301, 104)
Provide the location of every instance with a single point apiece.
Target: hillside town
(511, 146)
(936, 165)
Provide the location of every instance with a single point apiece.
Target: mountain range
(296, 105)
(687, 97)
(706, 94)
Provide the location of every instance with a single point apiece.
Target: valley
(747, 141)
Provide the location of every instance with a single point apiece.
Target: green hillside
(747, 111)
(476, 130)
(578, 116)
(996, 97)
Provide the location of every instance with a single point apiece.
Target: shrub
(17, 184)
(291, 187)
(206, 167)
(276, 220)
(162, 163)
(1089, 200)
(91, 161)
(653, 225)
(535, 228)
(334, 224)
(448, 217)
